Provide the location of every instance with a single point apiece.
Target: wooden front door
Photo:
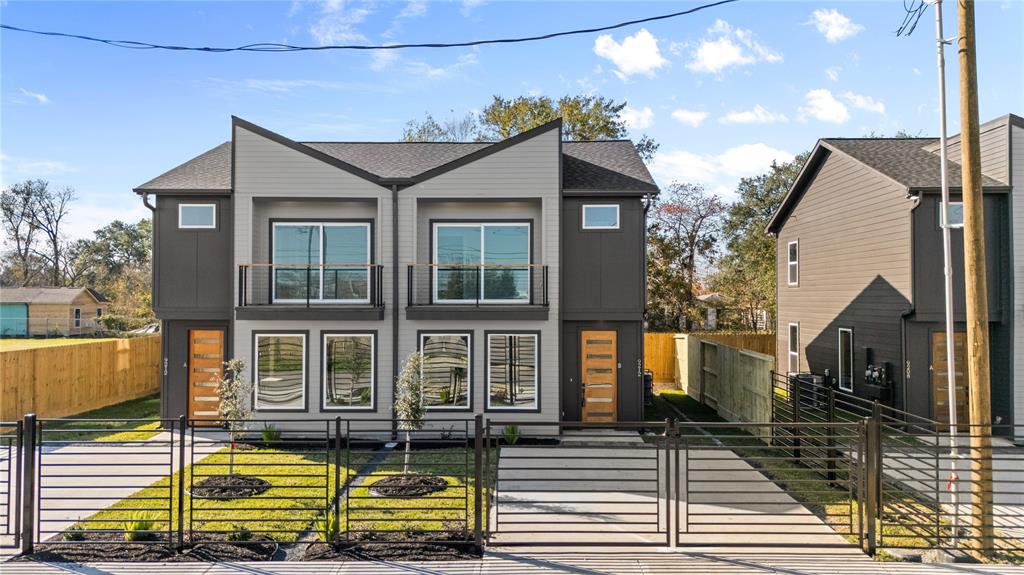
(940, 389)
(598, 350)
(205, 368)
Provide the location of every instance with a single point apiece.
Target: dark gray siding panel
(192, 268)
(603, 271)
(630, 392)
(928, 266)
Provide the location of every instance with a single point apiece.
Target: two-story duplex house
(860, 270)
(516, 267)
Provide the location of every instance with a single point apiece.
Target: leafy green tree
(747, 272)
(584, 118)
(117, 262)
(682, 237)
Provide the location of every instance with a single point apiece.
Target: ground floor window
(280, 374)
(446, 370)
(846, 359)
(794, 348)
(348, 370)
(512, 371)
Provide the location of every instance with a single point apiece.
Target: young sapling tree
(235, 407)
(409, 402)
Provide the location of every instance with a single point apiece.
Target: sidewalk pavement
(528, 562)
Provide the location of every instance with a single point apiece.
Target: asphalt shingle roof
(903, 159)
(599, 165)
(45, 295)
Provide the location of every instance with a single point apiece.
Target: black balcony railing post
(545, 286)
(408, 286)
(309, 272)
(241, 274)
(478, 286)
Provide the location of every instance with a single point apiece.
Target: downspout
(911, 308)
(164, 340)
(394, 305)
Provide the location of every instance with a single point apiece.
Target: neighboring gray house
(860, 271)
(516, 267)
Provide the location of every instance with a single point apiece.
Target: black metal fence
(10, 482)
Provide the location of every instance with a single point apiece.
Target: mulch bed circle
(397, 546)
(113, 547)
(225, 487)
(408, 485)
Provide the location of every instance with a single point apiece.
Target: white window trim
(321, 225)
(195, 227)
(77, 315)
(373, 373)
(842, 387)
(536, 372)
(469, 370)
(256, 372)
(791, 264)
(483, 251)
(790, 354)
(618, 220)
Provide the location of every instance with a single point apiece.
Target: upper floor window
(793, 263)
(197, 216)
(956, 214)
(846, 359)
(601, 217)
(325, 262)
(481, 261)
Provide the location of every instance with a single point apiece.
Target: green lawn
(115, 422)
(19, 344)
(300, 484)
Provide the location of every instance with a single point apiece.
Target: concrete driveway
(616, 494)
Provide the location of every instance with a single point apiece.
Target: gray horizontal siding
(1017, 239)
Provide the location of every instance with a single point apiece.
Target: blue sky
(724, 91)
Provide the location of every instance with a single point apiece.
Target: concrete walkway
(582, 562)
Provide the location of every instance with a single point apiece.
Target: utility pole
(976, 289)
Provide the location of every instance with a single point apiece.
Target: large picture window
(846, 359)
(348, 370)
(325, 262)
(489, 262)
(446, 370)
(280, 371)
(512, 371)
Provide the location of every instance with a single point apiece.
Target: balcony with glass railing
(465, 291)
(270, 290)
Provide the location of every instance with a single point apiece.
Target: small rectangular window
(956, 214)
(793, 263)
(846, 359)
(78, 317)
(348, 370)
(794, 348)
(446, 371)
(512, 371)
(99, 312)
(280, 371)
(601, 217)
(197, 216)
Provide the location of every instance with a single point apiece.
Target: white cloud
(917, 72)
(865, 103)
(637, 118)
(86, 218)
(413, 9)
(691, 118)
(758, 115)
(717, 172)
(834, 25)
(32, 168)
(636, 54)
(37, 96)
(337, 23)
(725, 46)
(420, 68)
(383, 59)
(821, 105)
(833, 73)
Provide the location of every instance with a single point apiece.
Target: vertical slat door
(205, 369)
(599, 375)
(940, 388)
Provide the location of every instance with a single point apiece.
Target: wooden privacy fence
(660, 349)
(69, 379)
(759, 342)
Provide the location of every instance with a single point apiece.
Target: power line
(272, 47)
(914, 11)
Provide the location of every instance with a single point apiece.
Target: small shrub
(139, 528)
(270, 433)
(446, 396)
(511, 434)
(74, 533)
(365, 396)
(240, 533)
(327, 527)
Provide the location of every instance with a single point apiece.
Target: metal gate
(578, 483)
(10, 483)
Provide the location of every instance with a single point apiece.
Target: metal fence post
(478, 479)
(19, 477)
(28, 485)
(872, 480)
(830, 442)
(671, 433)
(182, 424)
(796, 417)
(337, 476)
